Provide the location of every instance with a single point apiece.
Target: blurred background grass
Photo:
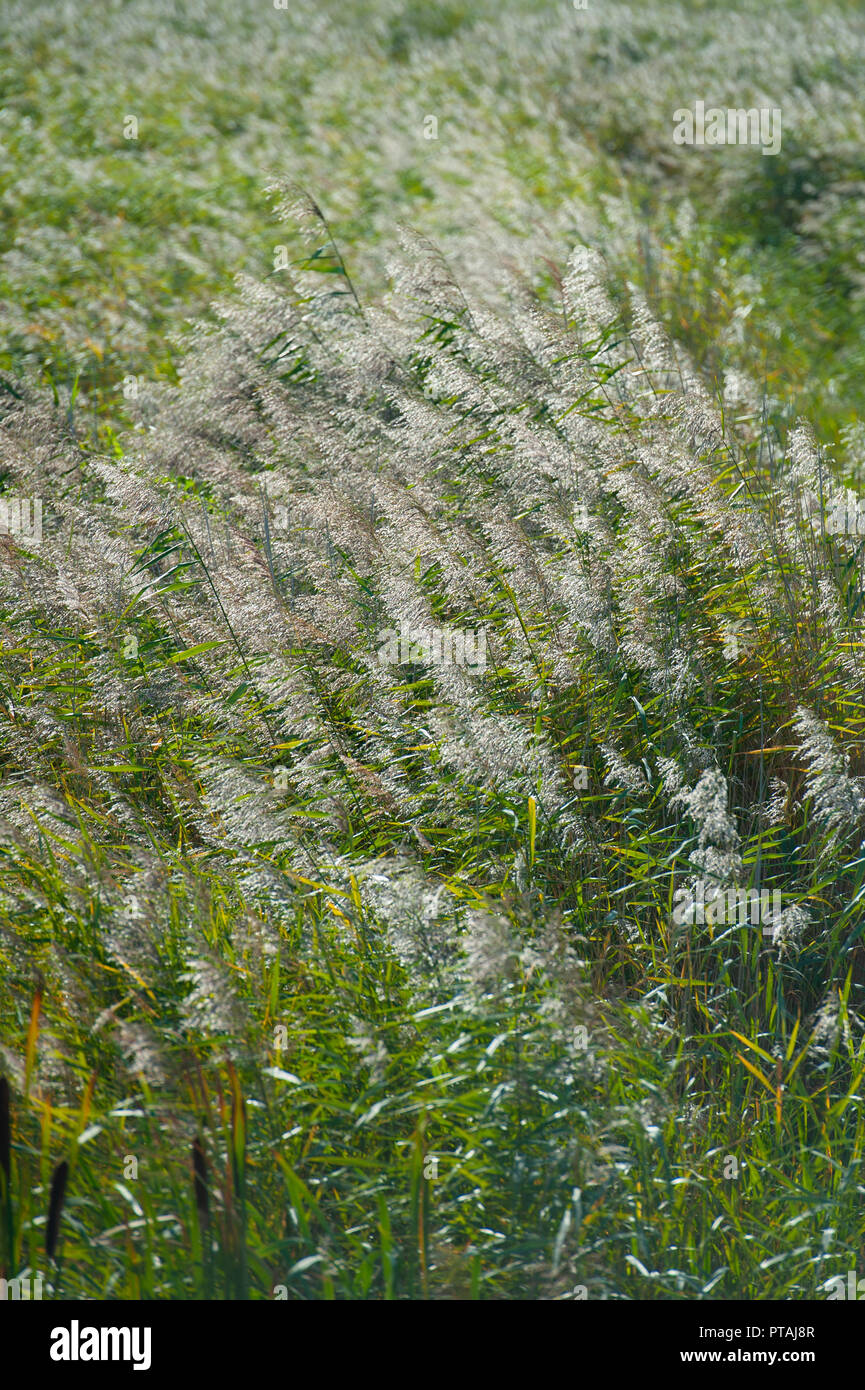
(548, 117)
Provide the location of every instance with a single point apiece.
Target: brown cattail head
(199, 1168)
(55, 1207)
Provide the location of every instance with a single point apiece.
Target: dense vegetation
(338, 970)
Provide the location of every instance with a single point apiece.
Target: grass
(313, 987)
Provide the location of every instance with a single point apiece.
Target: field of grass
(330, 968)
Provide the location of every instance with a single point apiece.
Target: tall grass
(334, 973)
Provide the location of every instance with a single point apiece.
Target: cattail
(55, 1207)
